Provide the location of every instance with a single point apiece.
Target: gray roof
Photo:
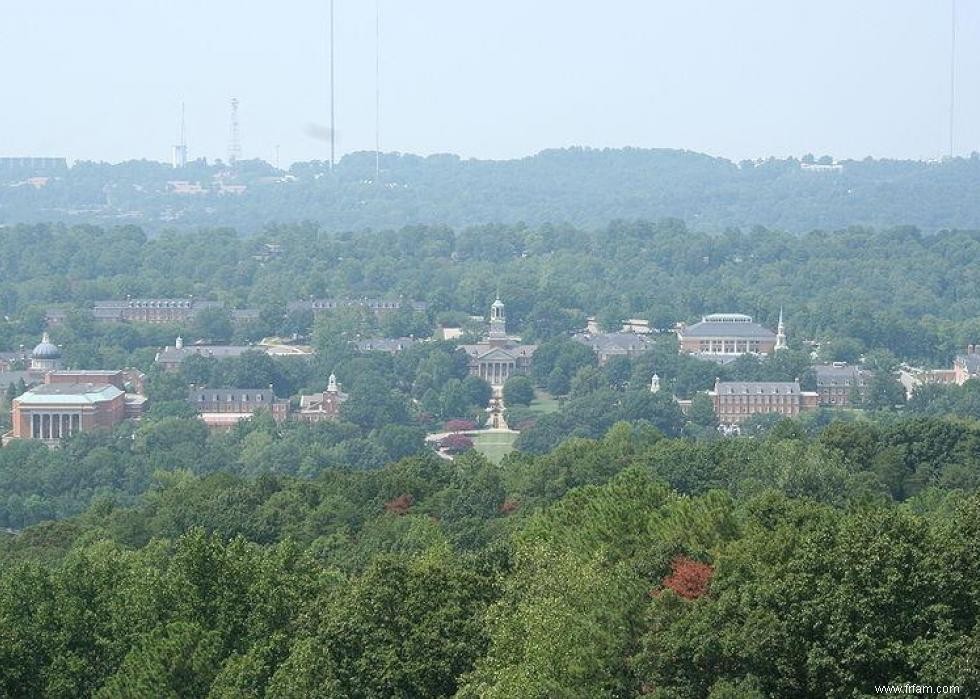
(485, 349)
(113, 308)
(835, 375)
(384, 344)
(728, 325)
(247, 396)
(612, 342)
(970, 361)
(757, 387)
(373, 304)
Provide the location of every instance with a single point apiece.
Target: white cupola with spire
(332, 383)
(780, 333)
(179, 344)
(498, 322)
(655, 384)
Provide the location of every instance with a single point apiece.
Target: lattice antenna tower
(234, 140)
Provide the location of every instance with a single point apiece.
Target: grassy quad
(494, 445)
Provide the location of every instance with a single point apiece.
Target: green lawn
(495, 445)
(543, 403)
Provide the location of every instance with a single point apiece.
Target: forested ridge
(584, 187)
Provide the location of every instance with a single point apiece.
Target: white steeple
(179, 344)
(780, 332)
(655, 384)
(332, 383)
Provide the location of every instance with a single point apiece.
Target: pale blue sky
(103, 79)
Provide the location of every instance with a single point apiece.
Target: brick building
(735, 401)
(324, 405)
(151, 310)
(223, 408)
(377, 306)
(609, 345)
(840, 384)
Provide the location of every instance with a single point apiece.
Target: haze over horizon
(105, 80)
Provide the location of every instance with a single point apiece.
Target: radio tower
(377, 92)
(180, 150)
(333, 129)
(234, 141)
(952, 74)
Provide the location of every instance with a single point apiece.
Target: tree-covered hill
(585, 187)
(632, 565)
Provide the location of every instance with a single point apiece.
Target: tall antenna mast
(180, 150)
(952, 74)
(333, 129)
(377, 91)
(234, 143)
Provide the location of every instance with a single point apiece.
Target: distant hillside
(580, 186)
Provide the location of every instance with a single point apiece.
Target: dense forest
(809, 565)
(583, 187)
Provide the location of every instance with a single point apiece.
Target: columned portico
(54, 425)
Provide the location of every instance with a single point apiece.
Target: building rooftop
(622, 341)
(485, 349)
(833, 373)
(384, 344)
(757, 387)
(246, 396)
(64, 393)
(969, 361)
(723, 325)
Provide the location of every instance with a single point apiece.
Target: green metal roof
(68, 394)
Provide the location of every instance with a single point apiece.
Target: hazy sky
(104, 79)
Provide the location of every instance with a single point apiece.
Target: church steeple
(780, 332)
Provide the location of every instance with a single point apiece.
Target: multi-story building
(75, 401)
(223, 408)
(722, 337)
(151, 310)
(170, 358)
(840, 384)
(735, 401)
(392, 345)
(378, 306)
(324, 405)
(499, 356)
(966, 366)
(609, 345)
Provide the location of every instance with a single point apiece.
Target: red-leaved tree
(688, 578)
(457, 443)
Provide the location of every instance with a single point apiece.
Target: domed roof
(46, 350)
